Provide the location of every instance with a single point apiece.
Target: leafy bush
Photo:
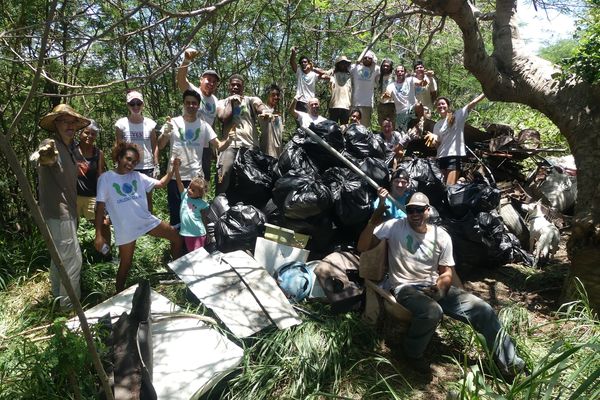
(57, 368)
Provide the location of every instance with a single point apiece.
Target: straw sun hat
(47, 121)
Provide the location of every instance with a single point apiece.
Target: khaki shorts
(86, 207)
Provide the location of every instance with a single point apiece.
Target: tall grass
(563, 355)
(330, 358)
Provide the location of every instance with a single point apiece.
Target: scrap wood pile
(496, 213)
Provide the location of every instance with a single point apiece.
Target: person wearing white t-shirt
(449, 137)
(421, 278)
(124, 193)
(209, 80)
(188, 135)
(141, 131)
(402, 92)
(306, 80)
(365, 76)
(312, 116)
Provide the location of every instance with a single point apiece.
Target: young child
(192, 211)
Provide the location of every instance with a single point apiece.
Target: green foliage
(518, 116)
(57, 368)
(585, 62)
(559, 51)
(21, 256)
(333, 357)
(566, 365)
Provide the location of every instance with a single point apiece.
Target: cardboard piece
(273, 255)
(220, 288)
(264, 288)
(120, 303)
(190, 357)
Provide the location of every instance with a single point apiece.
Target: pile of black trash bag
(309, 190)
(306, 189)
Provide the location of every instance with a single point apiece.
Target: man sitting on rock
(420, 274)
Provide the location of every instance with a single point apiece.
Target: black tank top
(87, 173)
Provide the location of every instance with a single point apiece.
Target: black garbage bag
(320, 230)
(482, 240)
(272, 213)
(476, 196)
(254, 178)
(352, 196)
(502, 246)
(239, 227)
(331, 133)
(362, 143)
(427, 178)
(218, 207)
(301, 196)
(293, 157)
(377, 170)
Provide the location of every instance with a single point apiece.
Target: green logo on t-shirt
(189, 135)
(126, 189)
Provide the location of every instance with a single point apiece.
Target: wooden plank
(221, 289)
(264, 288)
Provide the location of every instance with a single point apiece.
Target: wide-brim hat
(418, 199)
(343, 59)
(47, 121)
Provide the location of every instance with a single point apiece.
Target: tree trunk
(512, 75)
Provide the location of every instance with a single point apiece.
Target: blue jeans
(459, 305)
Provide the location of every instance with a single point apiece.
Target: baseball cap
(400, 174)
(342, 59)
(418, 199)
(211, 72)
(134, 95)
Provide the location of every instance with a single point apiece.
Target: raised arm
(118, 135)
(165, 135)
(176, 165)
(293, 109)
(474, 102)
(293, 62)
(154, 145)
(225, 107)
(101, 163)
(433, 87)
(165, 179)
(182, 81)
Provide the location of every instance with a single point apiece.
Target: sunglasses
(415, 210)
(135, 103)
